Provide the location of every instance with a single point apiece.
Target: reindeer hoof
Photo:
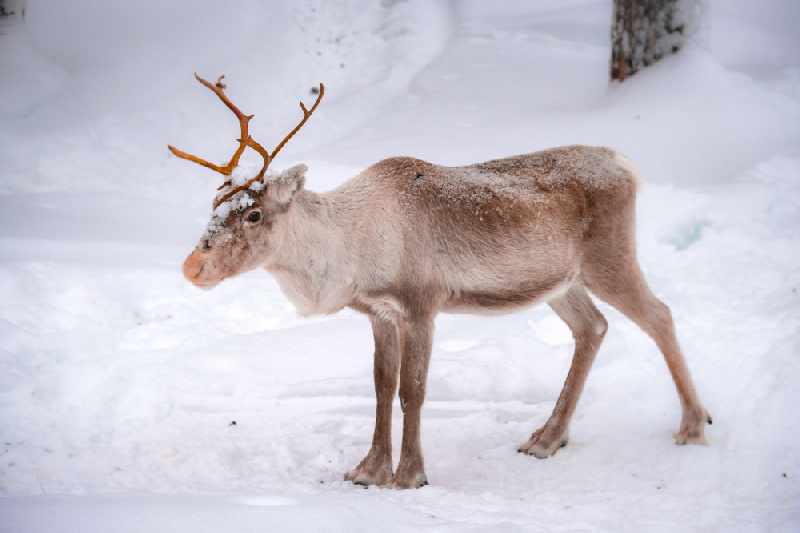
(542, 446)
(692, 429)
(370, 472)
(399, 482)
(695, 437)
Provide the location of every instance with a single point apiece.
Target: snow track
(136, 402)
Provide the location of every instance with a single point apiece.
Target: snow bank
(129, 397)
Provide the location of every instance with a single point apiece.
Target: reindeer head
(240, 235)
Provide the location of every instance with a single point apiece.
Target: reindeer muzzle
(199, 269)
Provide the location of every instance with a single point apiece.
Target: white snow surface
(120, 382)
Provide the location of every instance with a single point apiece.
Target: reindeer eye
(255, 216)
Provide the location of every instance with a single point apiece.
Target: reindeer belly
(509, 297)
(516, 276)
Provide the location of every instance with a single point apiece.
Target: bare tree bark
(643, 32)
(11, 14)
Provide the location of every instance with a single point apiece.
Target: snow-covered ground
(120, 382)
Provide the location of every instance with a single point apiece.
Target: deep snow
(120, 382)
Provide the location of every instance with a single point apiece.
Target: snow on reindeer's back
(594, 167)
(526, 177)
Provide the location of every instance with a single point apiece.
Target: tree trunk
(11, 13)
(643, 32)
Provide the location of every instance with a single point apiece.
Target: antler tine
(260, 177)
(218, 89)
(265, 154)
(306, 114)
(244, 141)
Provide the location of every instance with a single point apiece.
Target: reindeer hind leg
(624, 287)
(588, 327)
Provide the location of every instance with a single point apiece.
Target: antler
(245, 140)
(243, 121)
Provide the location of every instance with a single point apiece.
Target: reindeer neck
(312, 264)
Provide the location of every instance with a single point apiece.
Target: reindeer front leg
(416, 337)
(376, 467)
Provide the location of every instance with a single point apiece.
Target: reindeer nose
(196, 268)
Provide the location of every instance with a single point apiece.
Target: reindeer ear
(287, 183)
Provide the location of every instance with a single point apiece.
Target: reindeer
(405, 240)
